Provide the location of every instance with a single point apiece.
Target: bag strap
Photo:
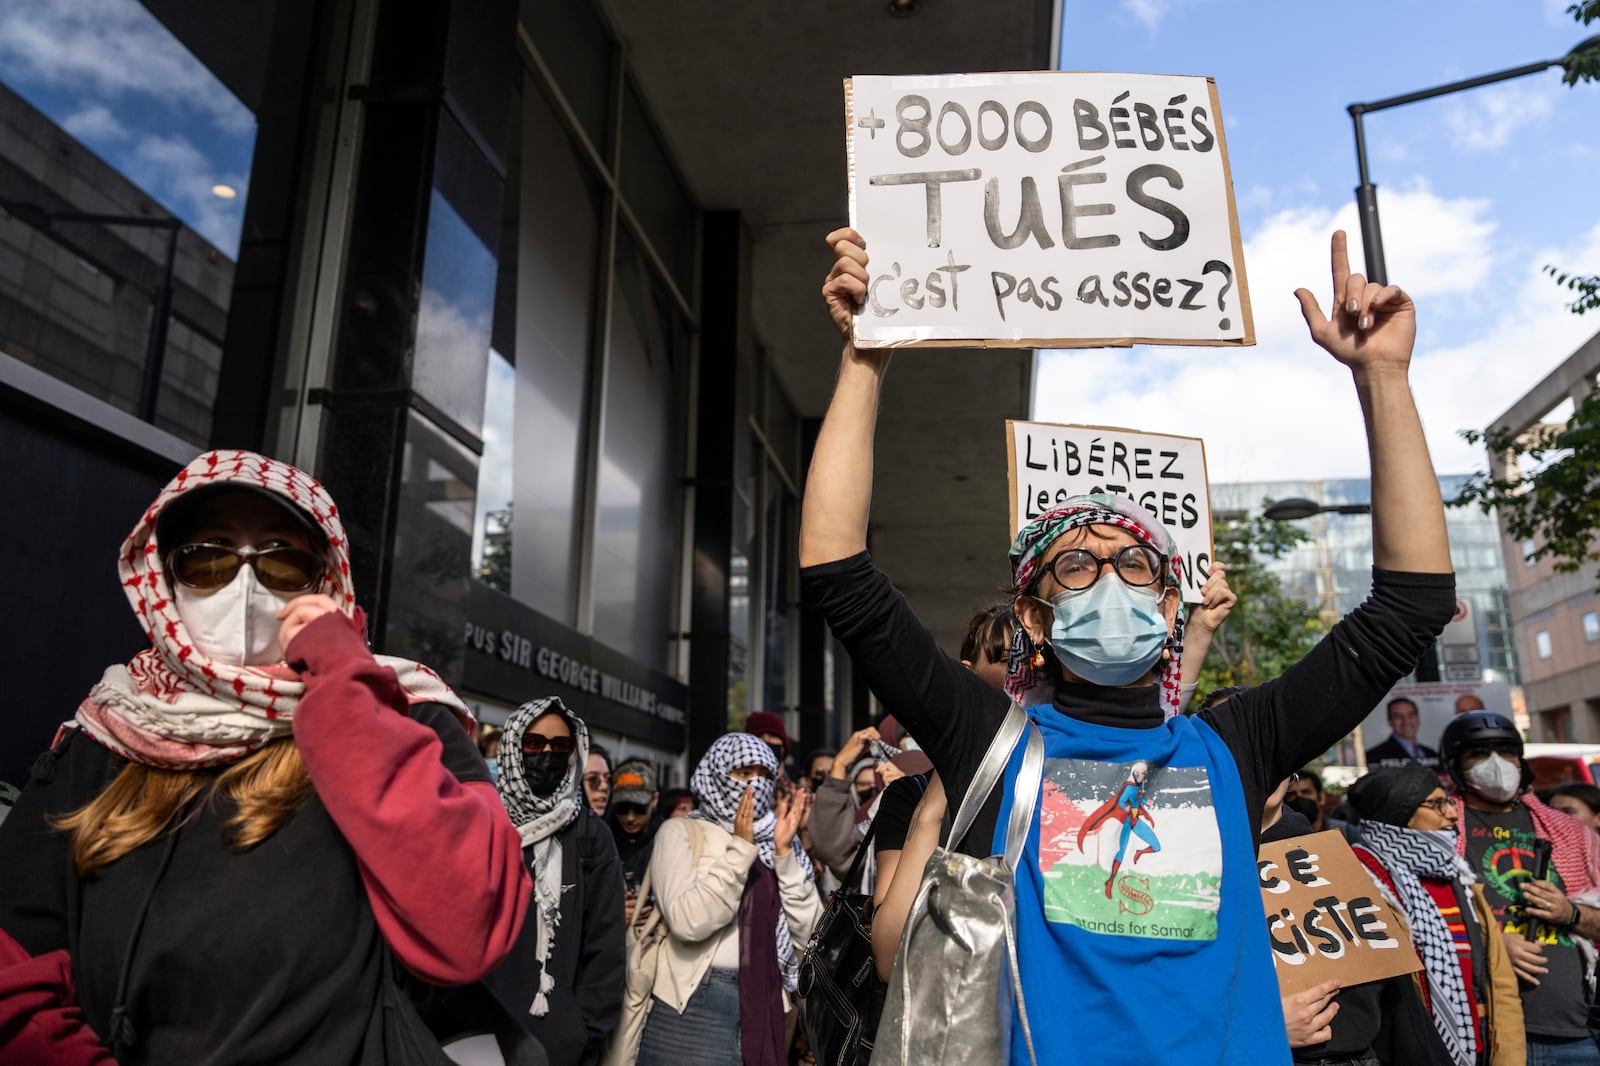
(1025, 796)
(858, 864)
(988, 773)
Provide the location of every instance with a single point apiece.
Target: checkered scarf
(1027, 552)
(720, 795)
(1408, 855)
(171, 706)
(539, 820)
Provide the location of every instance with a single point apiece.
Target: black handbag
(841, 996)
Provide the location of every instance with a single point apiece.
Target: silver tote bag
(956, 989)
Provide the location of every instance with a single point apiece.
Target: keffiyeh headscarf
(720, 795)
(1027, 552)
(539, 820)
(173, 707)
(1408, 855)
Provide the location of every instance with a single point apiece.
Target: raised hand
(846, 286)
(853, 749)
(791, 816)
(1216, 600)
(744, 819)
(301, 612)
(1373, 326)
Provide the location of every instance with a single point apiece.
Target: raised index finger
(1340, 254)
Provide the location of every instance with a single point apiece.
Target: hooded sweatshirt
(185, 950)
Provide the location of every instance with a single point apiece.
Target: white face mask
(1496, 779)
(236, 624)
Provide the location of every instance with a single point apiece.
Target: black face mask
(864, 795)
(777, 753)
(544, 772)
(1307, 808)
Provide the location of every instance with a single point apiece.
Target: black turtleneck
(1272, 730)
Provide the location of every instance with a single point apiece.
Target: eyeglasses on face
(597, 782)
(1440, 805)
(211, 566)
(1138, 565)
(534, 743)
(632, 810)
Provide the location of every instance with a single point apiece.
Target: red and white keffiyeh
(173, 707)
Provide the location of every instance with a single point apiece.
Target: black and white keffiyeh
(719, 795)
(1410, 855)
(539, 819)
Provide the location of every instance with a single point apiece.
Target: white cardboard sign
(1047, 209)
(1164, 474)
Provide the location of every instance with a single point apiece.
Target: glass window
(574, 44)
(536, 399)
(1528, 548)
(1591, 626)
(107, 160)
(655, 193)
(1541, 644)
(641, 446)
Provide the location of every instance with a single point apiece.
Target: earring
(1037, 662)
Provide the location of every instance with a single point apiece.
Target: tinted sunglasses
(211, 566)
(534, 743)
(633, 809)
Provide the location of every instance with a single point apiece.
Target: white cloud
(1284, 409)
(94, 123)
(1150, 13)
(1485, 120)
(101, 48)
(182, 176)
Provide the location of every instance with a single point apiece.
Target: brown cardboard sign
(1325, 917)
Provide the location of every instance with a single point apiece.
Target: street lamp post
(155, 349)
(1367, 193)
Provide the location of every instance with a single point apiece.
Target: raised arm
(838, 495)
(1372, 331)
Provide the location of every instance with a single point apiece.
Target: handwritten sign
(1054, 209)
(1325, 917)
(1166, 475)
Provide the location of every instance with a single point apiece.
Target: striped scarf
(720, 794)
(171, 706)
(1410, 855)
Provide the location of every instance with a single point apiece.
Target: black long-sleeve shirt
(1272, 730)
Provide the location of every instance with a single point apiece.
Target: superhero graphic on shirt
(1106, 865)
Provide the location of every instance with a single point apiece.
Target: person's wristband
(1577, 915)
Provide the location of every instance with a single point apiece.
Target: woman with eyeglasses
(564, 977)
(735, 892)
(1408, 844)
(1097, 653)
(243, 830)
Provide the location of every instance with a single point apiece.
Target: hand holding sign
(1373, 326)
(846, 284)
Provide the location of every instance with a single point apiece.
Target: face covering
(1306, 808)
(236, 624)
(777, 753)
(1496, 779)
(1109, 633)
(544, 772)
(864, 795)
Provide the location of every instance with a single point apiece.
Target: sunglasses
(211, 566)
(534, 743)
(631, 809)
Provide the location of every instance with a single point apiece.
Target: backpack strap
(988, 773)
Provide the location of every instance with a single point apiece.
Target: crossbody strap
(988, 774)
(1025, 796)
(852, 878)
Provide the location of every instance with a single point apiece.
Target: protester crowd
(259, 842)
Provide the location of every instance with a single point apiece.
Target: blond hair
(139, 805)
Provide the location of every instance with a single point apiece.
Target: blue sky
(112, 76)
(1477, 191)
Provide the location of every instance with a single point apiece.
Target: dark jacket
(633, 849)
(1391, 753)
(587, 960)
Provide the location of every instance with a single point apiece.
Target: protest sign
(1436, 702)
(1166, 475)
(1047, 209)
(1325, 917)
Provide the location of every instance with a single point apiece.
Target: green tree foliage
(1557, 504)
(1269, 629)
(495, 567)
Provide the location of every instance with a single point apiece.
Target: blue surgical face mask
(1109, 633)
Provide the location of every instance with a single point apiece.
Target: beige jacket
(698, 884)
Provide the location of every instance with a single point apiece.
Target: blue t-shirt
(1134, 947)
